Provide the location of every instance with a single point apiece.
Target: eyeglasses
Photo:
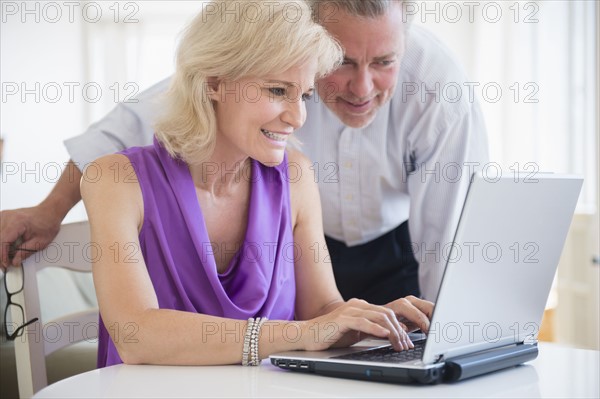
(12, 288)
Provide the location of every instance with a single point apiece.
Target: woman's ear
(212, 88)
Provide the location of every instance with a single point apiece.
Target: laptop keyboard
(387, 354)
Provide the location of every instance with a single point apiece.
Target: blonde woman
(207, 240)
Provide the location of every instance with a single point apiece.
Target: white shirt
(370, 179)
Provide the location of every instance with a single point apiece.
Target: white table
(557, 372)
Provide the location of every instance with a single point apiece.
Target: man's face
(373, 51)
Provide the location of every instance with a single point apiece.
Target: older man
(392, 154)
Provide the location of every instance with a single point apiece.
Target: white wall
(33, 128)
(542, 48)
(74, 45)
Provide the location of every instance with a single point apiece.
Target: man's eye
(277, 91)
(307, 96)
(386, 62)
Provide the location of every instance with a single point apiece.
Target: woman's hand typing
(356, 319)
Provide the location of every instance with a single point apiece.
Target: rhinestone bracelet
(246, 347)
(254, 357)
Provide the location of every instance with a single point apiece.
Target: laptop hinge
(468, 366)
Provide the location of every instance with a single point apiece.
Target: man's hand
(36, 227)
(26, 230)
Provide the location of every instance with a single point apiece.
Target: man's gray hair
(357, 8)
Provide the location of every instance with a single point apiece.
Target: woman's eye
(277, 91)
(307, 96)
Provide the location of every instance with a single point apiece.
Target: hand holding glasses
(15, 247)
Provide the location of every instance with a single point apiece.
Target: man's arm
(37, 226)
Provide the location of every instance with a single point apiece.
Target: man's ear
(212, 87)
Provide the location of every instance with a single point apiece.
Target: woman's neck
(222, 173)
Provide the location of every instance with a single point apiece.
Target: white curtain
(532, 64)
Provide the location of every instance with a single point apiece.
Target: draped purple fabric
(259, 281)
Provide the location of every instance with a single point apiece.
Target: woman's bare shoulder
(110, 183)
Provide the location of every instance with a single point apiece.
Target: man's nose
(361, 85)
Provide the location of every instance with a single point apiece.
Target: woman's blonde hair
(230, 40)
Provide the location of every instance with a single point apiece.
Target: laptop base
(457, 369)
(352, 371)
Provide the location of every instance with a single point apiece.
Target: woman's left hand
(413, 313)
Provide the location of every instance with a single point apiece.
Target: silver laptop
(498, 274)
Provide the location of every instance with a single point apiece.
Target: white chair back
(71, 249)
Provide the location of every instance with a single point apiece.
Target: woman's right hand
(351, 322)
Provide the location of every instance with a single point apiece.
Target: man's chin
(357, 121)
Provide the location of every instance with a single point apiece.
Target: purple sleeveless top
(259, 281)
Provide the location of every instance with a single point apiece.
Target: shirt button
(348, 165)
(349, 197)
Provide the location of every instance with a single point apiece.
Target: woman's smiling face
(256, 116)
